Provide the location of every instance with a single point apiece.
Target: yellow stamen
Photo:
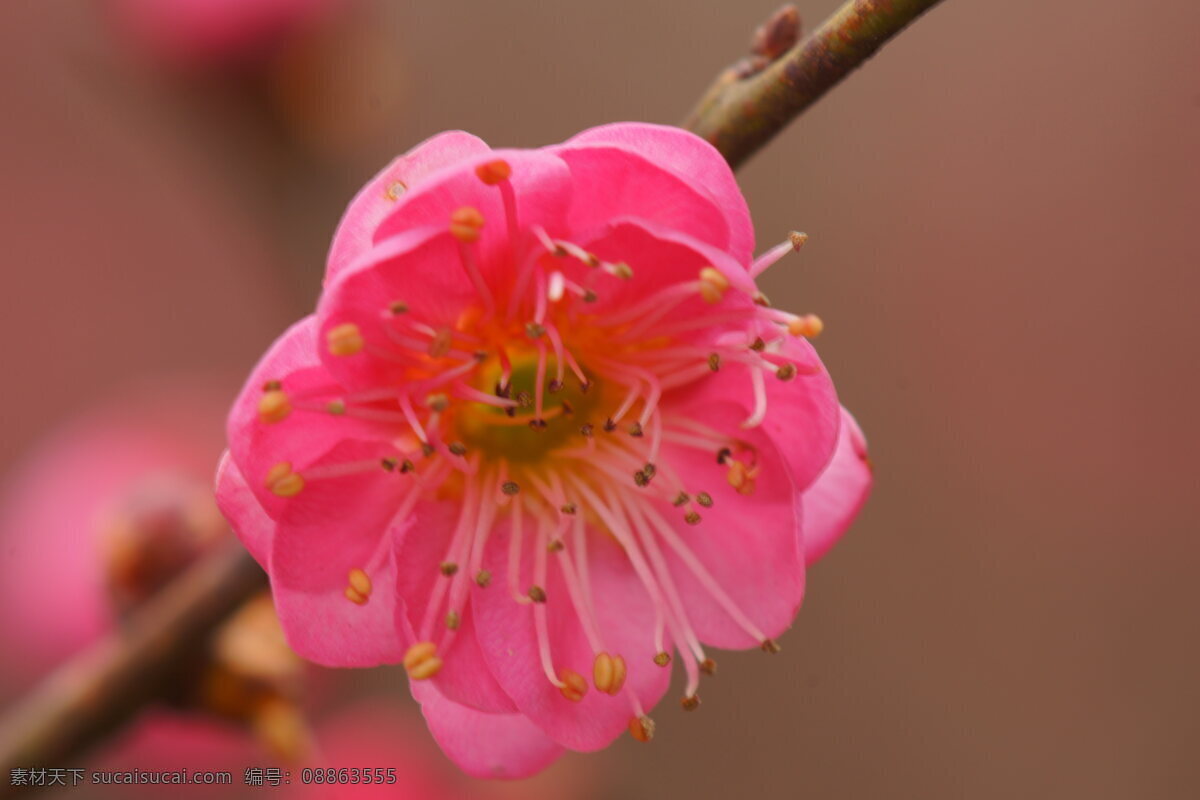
(466, 223)
(274, 406)
(712, 285)
(282, 481)
(493, 172)
(358, 586)
(808, 326)
(574, 686)
(608, 673)
(344, 340)
(421, 661)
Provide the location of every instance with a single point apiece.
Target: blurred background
(1003, 214)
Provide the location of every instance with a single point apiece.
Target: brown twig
(753, 100)
(100, 690)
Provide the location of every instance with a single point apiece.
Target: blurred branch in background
(103, 688)
(98, 692)
(756, 98)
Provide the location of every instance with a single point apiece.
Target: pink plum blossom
(205, 32)
(542, 437)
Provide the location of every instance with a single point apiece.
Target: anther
(344, 340)
(622, 270)
(584, 387)
(282, 481)
(554, 386)
(453, 620)
(437, 402)
(704, 499)
(534, 330)
(567, 409)
(587, 429)
(609, 425)
(641, 479)
(466, 223)
(680, 499)
(537, 594)
(712, 285)
(740, 478)
(448, 568)
(407, 466)
(336, 407)
(538, 424)
(427, 449)
(650, 470)
(770, 646)
(723, 454)
(758, 345)
(458, 448)
(399, 307)
(808, 326)
(274, 406)
(761, 299)
(524, 399)
(388, 463)
(510, 488)
(797, 239)
(690, 702)
(483, 578)
(662, 659)
(786, 372)
(708, 666)
(635, 430)
(555, 546)
(574, 687)
(569, 508)
(421, 661)
(589, 296)
(494, 172)
(692, 518)
(272, 386)
(358, 586)
(394, 190)
(714, 362)
(608, 673)
(641, 728)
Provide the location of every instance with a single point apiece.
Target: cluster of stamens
(532, 407)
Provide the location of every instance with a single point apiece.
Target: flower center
(521, 435)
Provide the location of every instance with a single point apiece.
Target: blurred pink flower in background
(213, 32)
(542, 431)
(145, 455)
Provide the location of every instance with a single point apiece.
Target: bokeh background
(1003, 211)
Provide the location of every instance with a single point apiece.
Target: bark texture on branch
(751, 102)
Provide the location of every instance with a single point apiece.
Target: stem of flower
(755, 99)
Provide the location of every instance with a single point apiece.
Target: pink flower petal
(621, 183)
(485, 745)
(747, 544)
(838, 494)
(464, 677)
(375, 200)
(239, 505)
(690, 158)
(660, 258)
(335, 524)
(625, 616)
(803, 414)
(303, 435)
(540, 182)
